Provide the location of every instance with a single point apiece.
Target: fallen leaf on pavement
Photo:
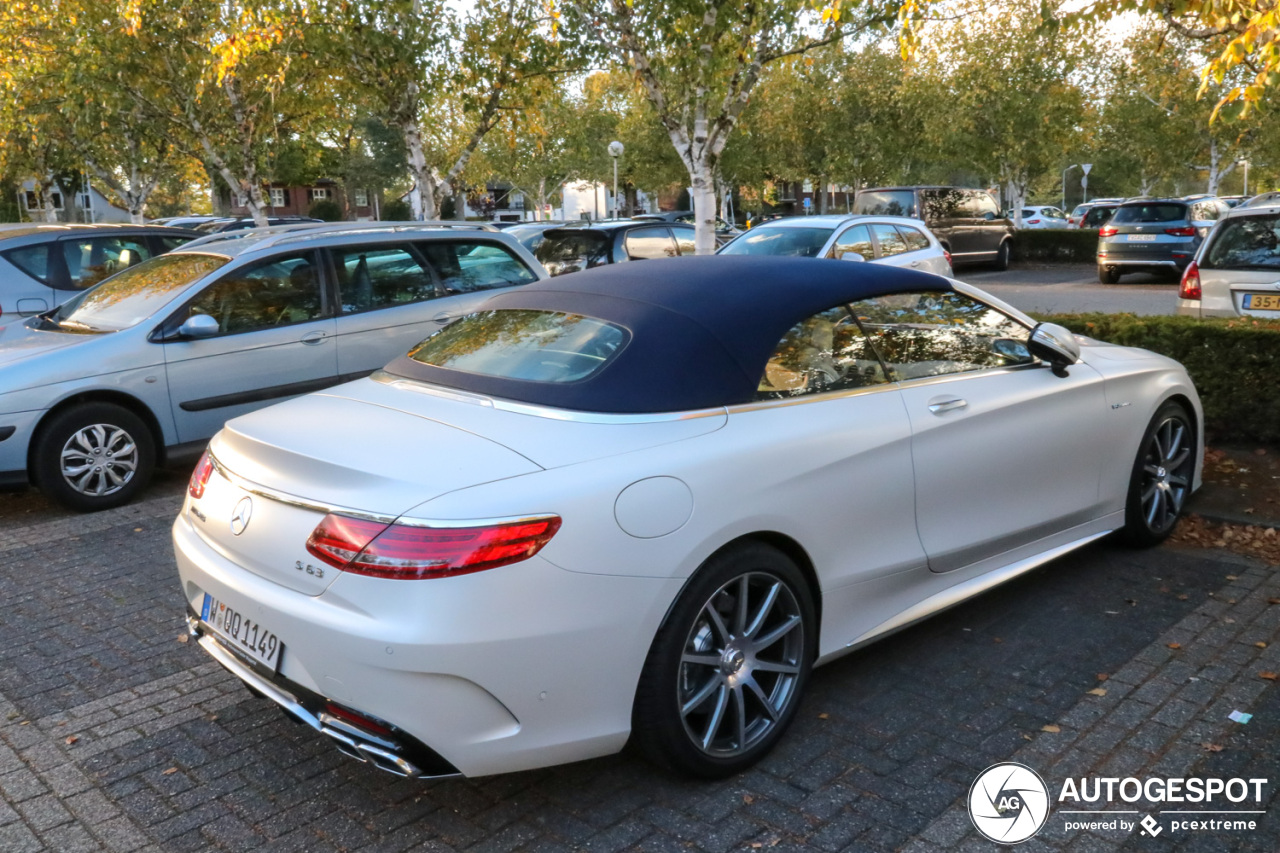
(1175, 646)
(1098, 691)
(1051, 729)
(1102, 676)
(824, 716)
(182, 638)
(170, 771)
(71, 739)
(1211, 747)
(1268, 675)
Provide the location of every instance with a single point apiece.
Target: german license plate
(242, 633)
(1262, 301)
(1142, 238)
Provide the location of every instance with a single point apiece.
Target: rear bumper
(1134, 263)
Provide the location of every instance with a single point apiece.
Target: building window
(86, 202)
(33, 203)
(277, 197)
(362, 198)
(319, 193)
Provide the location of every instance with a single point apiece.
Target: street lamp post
(1064, 184)
(615, 151)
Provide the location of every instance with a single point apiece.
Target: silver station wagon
(142, 369)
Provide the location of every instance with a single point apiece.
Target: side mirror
(989, 216)
(852, 256)
(1056, 345)
(198, 326)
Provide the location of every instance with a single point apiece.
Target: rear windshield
(571, 251)
(134, 294)
(1164, 212)
(780, 240)
(532, 346)
(1246, 243)
(888, 203)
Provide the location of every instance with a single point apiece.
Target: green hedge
(1235, 364)
(1064, 246)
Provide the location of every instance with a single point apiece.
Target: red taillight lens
(1107, 231)
(1033, 221)
(407, 552)
(200, 476)
(1190, 288)
(947, 255)
(1181, 232)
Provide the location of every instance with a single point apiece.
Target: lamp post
(615, 151)
(1064, 184)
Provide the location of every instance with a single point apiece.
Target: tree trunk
(422, 196)
(542, 200)
(44, 195)
(820, 190)
(1146, 185)
(703, 195)
(1017, 190)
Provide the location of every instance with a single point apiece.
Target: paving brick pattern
(115, 736)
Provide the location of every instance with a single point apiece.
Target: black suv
(967, 222)
(1155, 235)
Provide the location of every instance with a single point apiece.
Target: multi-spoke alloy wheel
(99, 460)
(725, 673)
(1162, 476)
(93, 456)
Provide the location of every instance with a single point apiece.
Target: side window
(91, 260)
(648, 243)
(826, 352)
(856, 239)
(276, 292)
(32, 260)
(379, 276)
(467, 266)
(168, 244)
(891, 242)
(935, 333)
(684, 241)
(913, 238)
(981, 204)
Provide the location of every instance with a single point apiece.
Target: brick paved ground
(116, 736)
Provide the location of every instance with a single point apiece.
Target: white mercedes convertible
(640, 503)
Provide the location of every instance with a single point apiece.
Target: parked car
(241, 223)
(645, 515)
(724, 230)
(531, 234)
(1098, 215)
(155, 359)
(893, 240)
(1236, 273)
(44, 265)
(1154, 235)
(580, 246)
(1041, 217)
(1233, 200)
(1078, 212)
(966, 222)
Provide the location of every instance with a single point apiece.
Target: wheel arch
(102, 395)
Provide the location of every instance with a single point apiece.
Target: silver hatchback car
(150, 363)
(1236, 273)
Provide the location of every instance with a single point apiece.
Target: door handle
(443, 317)
(313, 338)
(941, 407)
(914, 263)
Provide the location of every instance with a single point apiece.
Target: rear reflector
(408, 552)
(1108, 231)
(200, 476)
(355, 718)
(1190, 287)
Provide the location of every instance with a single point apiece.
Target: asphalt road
(1074, 288)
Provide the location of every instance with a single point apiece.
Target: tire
(705, 705)
(1160, 482)
(91, 433)
(1108, 275)
(1002, 257)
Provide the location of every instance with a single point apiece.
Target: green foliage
(327, 210)
(1066, 246)
(396, 211)
(1233, 364)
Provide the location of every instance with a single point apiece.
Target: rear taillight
(1108, 231)
(409, 552)
(200, 476)
(1190, 288)
(947, 255)
(1187, 231)
(1033, 221)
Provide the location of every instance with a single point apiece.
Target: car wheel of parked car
(1161, 478)
(1002, 257)
(726, 672)
(1108, 275)
(94, 456)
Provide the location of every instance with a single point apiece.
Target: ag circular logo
(1008, 803)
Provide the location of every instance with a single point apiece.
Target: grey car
(42, 265)
(150, 363)
(1156, 235)
(891, 240)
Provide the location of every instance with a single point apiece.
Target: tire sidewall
(1136, 532)
(657, 728)
(46, 461)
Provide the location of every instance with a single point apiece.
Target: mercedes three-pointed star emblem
(240, 517)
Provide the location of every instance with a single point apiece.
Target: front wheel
(1161, 479)
(1002, 257)
(726, 672)
(94, 456)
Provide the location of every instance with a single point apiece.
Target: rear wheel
(94, 456)
(1161, 479)
(1002, 257)
(726, 672)
(1108, 275)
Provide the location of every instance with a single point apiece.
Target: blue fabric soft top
(701, 328)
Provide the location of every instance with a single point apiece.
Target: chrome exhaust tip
(368, 753)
